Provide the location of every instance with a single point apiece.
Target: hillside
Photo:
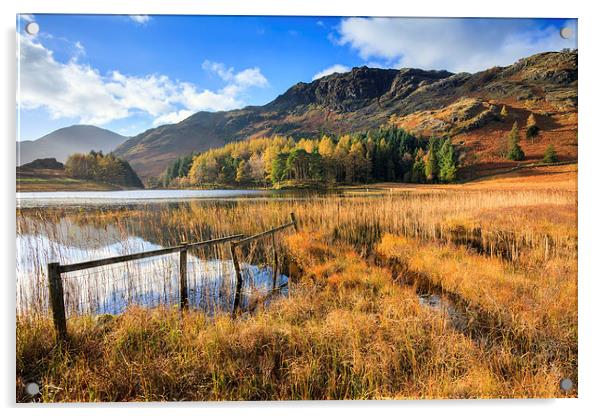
(82, 172)
(62, 142)
(464, 105)
(46, 175)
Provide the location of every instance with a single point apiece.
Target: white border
(590, 181)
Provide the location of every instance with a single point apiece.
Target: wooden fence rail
(55, 286)
(55, 270)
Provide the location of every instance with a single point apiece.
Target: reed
(350, 327)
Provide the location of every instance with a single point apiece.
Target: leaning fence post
(275, 258)
(57, 301)
(238, 277)
(183, 275)
(294, 220)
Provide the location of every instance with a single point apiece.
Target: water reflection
(148, 282)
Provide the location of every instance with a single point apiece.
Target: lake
(26, 199)
(71, 227)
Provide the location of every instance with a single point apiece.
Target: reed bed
(350, 327)
(349, 332)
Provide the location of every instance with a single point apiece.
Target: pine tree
(515, 152)
(504, 112)
(550, 155)
(532, 128)
(447, 162)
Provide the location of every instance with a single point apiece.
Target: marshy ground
(460, 291)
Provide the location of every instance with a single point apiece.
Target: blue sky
(131, 73)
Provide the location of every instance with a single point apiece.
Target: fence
(55, 270)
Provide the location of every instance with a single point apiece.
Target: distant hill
(62, 142)
(47, 163)
(464, 106)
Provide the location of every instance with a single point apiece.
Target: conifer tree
(532, 127)
(447, 162)
(515, 152)
(550, 155)
(504, 112)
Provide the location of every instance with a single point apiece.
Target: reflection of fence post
(57, 301)
(238, 277)
(275, 258)
(294, 220)
(183, 275)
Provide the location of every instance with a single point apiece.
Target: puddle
(443, 305)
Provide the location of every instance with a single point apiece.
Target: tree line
(386, 154)
(96, 166)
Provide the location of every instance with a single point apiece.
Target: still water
(69, 235)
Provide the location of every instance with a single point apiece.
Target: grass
(29, 184)
(349, 332)
(353, 326)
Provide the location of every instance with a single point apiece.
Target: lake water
(39, 199)
(71, 227)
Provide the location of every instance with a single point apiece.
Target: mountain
(425, 102)
(62, 142)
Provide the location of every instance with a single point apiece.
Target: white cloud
(454, 44)
(27, 17)
(140, 18)
(76, 90)
(338, 68)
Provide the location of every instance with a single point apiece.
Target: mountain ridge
(361, 99)
(60, 143)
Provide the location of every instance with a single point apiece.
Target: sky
(131, 73)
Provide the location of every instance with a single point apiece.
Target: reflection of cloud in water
(70, 233)
(148, 282)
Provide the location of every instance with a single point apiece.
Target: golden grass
(534, 310)
(350, 328)
(355, 336)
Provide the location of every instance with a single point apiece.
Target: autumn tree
(242, 173)
(515, 152)
(532, 127)
(504, 112)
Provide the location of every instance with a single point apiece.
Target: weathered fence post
(275, 266)
(183, 275)
(238, 277)
(57, 301)
(294, 220)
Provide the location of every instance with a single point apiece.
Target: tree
(256, 168)
(447, 162)
(102, 168)
(532, 128)
(278, 168)
(431, 168)
(550, 155)
(515, 152)
(504, 112)
(242, 173)
(418, 167)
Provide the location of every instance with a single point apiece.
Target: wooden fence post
(57, 301)
(275, 266)
(238, 277)
(294, 220)
(184, 275)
